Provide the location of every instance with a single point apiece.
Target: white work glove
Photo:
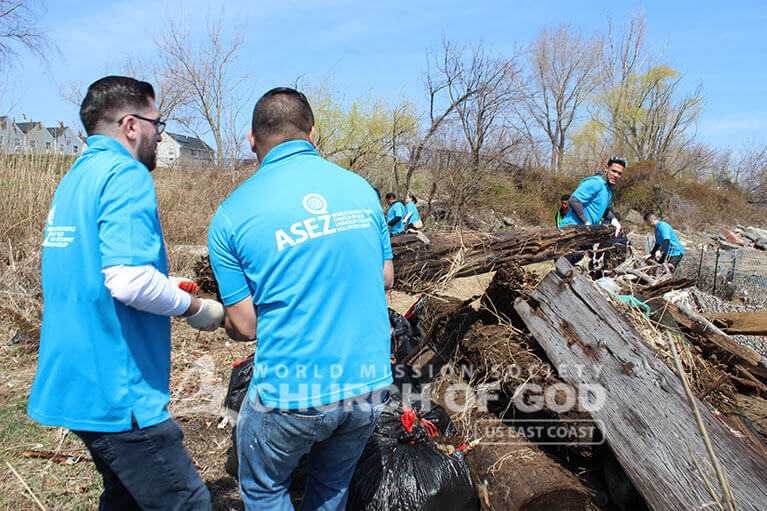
(209, 317)
(615, 223)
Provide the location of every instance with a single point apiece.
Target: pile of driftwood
(504, 361)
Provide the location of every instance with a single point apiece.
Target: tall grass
(187, 200)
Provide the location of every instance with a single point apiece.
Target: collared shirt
(663, 232)
(307, 240)
(100, 361)
(595, 194)
(396, 210)
(411, 213)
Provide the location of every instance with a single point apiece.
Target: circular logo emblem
(315, 204)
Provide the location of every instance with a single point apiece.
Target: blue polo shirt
(663, 232)
(411, 212)
(100, 361)
(595, 195)
(396, 210)
(307, 240)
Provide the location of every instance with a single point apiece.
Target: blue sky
(378, 48)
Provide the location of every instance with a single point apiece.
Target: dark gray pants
(146, 469)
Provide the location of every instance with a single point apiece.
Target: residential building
(37, 137)
(66, 140)
(12, 139)
(176, 150)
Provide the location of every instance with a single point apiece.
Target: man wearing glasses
(590, 202)
(104, 364)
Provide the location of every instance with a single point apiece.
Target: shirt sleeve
(586, 191)
(232, 282)
(128, 223)
(145, 289)
(383, 232)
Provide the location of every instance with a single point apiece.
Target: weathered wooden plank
(645, 417)
(743, 323)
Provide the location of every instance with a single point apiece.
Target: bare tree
(445, 69)
(492, 78)
(562, 76)
(196, 76)
(751, 171)
(21, 28)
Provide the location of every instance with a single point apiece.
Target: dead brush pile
(506, 386)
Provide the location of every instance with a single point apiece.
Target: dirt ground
(200, 365)
(200, 368)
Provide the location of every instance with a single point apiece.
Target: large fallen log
(645, 417)
(512, 474)
(462, 253)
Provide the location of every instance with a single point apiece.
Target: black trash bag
(239, 381)
(403, 339)
(404, 470)
(413, 315)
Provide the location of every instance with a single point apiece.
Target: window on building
(61, 148)
(47, 145)
(74, 149)
(33, 144)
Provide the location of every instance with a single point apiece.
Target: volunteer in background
(564, 207)
(412, 218)
(104, 364)
(665, 239)
(395, 215)
(302, 256)
(591, 200)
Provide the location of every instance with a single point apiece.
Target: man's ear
(312, 133)
(129, 129)
(252, 141)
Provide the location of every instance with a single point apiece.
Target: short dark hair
(649, 216)
(111, 94)
(565, 197)
(391, 196)
(617, 159)
(282, 113)
(412, 197)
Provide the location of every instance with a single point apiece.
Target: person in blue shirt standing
(590, 202)
(412, 218)
(665, 240)
(395, 215)
(104, 363)
(302, 257)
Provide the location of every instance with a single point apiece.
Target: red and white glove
(187, 285)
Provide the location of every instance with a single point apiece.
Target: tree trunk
(645, 418)
(515, 475)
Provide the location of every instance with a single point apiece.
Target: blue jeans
(146, 469)
(271, 442)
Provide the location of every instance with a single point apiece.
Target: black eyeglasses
(158, 124)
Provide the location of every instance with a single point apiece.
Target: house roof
(26, 126)
(190, 142)
(57, 131)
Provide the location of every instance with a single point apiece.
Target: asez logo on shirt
(315, 204)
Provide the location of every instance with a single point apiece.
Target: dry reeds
(187, 200)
